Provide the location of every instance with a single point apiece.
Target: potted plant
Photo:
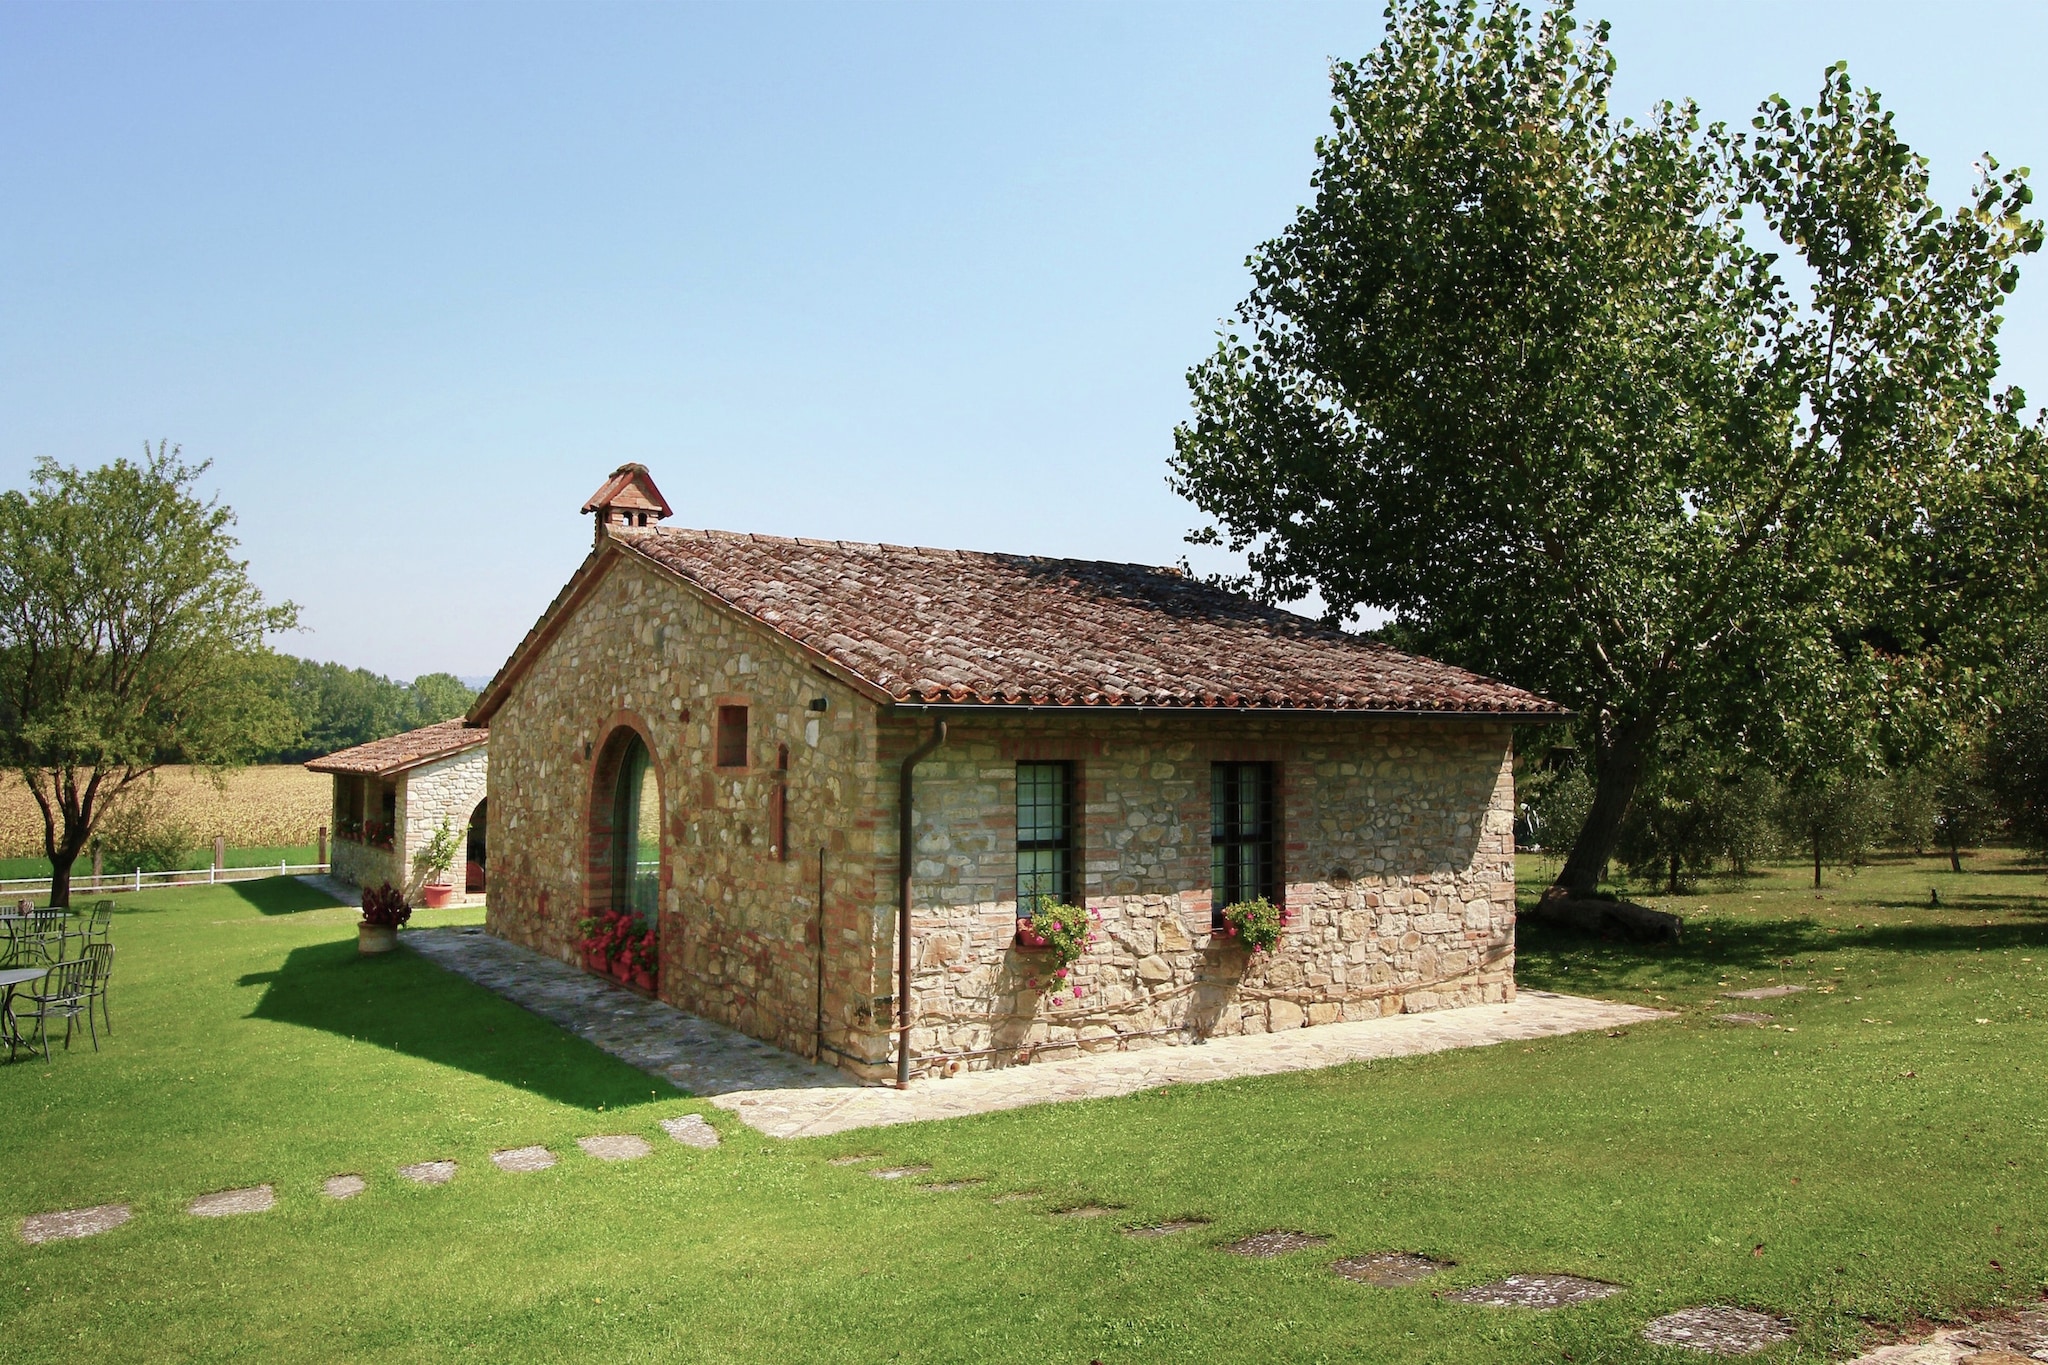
(384, 909)
(430, 868)
(621, 945)
(1254, 923)
(1065, 931)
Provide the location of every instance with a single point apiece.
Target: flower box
(1026, 938)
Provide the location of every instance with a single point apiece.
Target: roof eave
(1113, 708)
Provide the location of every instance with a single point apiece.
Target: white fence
(86, 884)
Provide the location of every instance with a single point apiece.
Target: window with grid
(1242, 865)
(1045, 834)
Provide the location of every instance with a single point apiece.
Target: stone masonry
(1397, 876)
(1396, 832)
(442, 789)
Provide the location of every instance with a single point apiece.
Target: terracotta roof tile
(383, 757)
(952, 626)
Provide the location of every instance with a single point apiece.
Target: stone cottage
(390, 796)
(830, 776)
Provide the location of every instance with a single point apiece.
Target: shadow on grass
(281, 895)
(1715, 945)
(401, 1002)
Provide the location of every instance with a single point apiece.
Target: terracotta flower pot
(643, 979)
(376, 938)
(593, 962)
(1027, 939)
(437, 894)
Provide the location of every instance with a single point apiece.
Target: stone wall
(740, 918)
(360, 865)
(444, 789)
(1397, 874)
(1397, 837)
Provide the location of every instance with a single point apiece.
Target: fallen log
(1607, 915)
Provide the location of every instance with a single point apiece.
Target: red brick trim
(597, 819)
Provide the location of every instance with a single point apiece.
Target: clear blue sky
(415, 278)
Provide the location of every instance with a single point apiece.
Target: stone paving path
(702, 1057)
(1533, 1014)
(2006, 1341)
(785, 1096)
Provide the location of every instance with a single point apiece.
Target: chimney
(627, 501)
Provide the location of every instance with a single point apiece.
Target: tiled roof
(955, 626)
(383, 757)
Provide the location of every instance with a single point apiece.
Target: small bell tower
(628, 500)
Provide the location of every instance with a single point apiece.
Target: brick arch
(618, 731)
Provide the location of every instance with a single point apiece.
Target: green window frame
(1243, 853)
(1045, 835)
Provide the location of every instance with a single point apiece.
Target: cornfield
(268, 806)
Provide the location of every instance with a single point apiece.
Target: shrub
(1256, 923)
(141, 832)
(1065, 931)
(385, 905)
(431, 863)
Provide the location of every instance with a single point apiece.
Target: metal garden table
(10, 978)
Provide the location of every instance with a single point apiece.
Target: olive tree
(130, 637)
(1669, 422)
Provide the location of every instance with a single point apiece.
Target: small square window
(732, 736)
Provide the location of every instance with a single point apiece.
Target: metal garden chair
(65, 993)
(101, 956)
(99, 922)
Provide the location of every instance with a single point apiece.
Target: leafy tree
(1533, 379)
(1834, 815)
(130, 637)
(1696, 807)
(338, 707)
(2016, 750)
(1964, 809)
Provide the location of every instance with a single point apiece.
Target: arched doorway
(625, 859)
(473, 879)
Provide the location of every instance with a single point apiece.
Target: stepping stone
(1274, 1242)
(1087, 1211)
(948, 1186)
(343, 1186)
(521, 1159)
(1166, 1229)
(898, 1172)
(1388, 1269)
(1745, 1017)
(55, 1227)
(226, 1203)
(429, 1172)
(859, 1160)
(1762, 993)
(1718, 1330)
(1535, 1291)
(615, 1146)
(692, 1131)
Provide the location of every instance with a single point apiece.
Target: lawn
(1871, 1155)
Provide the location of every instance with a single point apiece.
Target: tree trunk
(1673, 887)
(1575, 899)
(1816, 862)
(60, 879)
(1955, 856)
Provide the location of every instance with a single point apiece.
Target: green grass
(266, 855)
(1883, 1148)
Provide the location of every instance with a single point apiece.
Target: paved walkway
(1533, 1014)
(785, 1096)
(702, 1057)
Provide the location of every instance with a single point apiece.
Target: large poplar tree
(1665, 421)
